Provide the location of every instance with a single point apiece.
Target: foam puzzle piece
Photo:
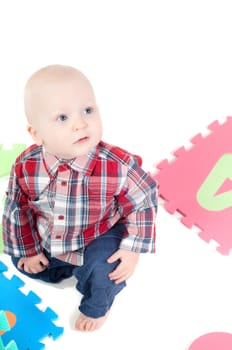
(198, 184)
(7, 157)
(31, 325)
(213, 341)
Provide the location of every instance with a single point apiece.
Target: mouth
(81, 140)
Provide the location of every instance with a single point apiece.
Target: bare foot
(85, 323)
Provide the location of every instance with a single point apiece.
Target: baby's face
(66, 120)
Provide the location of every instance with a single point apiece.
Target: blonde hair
(47, 74)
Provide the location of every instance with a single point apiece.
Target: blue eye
(62, 117)
(88, 110)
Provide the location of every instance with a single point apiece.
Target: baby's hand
(125, 269)
(33, 264)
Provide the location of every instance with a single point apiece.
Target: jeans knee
(100, 276)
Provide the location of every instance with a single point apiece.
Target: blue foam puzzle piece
(32, 324)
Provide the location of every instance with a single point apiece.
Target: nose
(79, 123)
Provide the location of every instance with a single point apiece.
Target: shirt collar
(84, 164)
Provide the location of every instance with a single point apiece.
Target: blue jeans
(93, 282)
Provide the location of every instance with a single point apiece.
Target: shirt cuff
(137, 244)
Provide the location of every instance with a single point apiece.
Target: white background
(162, 72)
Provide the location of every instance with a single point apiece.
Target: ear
(34, 134)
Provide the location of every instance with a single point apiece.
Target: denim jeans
(93, 282)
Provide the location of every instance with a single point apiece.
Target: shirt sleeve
(138, 205)
(20, 236)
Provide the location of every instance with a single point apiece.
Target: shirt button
(63, 183)
(61, 217)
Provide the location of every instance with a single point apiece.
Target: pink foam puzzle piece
(213, 341)
(180, 180)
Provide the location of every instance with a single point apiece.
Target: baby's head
(62, 112)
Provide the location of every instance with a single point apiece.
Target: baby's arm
(138, 202)
(20, 234)
(126, 267)
(33, 264)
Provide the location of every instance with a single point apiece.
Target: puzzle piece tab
(197, 184)
(32, 325)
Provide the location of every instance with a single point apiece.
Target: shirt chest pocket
(102, 200)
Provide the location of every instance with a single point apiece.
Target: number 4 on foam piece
(198, 184)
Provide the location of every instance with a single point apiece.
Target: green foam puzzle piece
(7, 157)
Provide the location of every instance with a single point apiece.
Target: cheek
(98, 127)
(50, 137)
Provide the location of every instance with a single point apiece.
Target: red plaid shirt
(62, 206)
